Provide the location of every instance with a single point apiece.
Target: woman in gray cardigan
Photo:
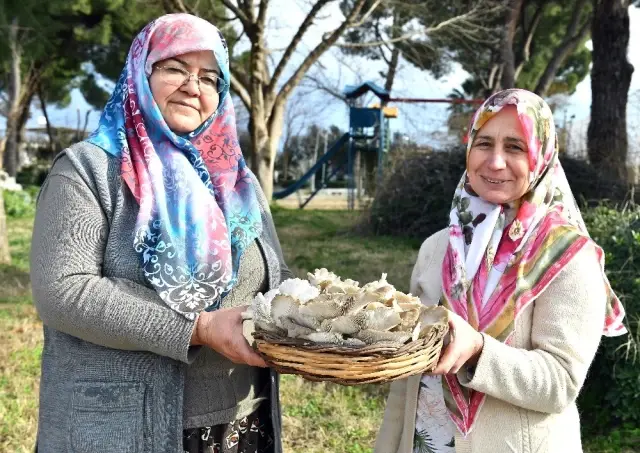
(150, 238)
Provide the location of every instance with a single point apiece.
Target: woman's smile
(494, 181)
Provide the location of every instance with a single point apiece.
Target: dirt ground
(321, 201)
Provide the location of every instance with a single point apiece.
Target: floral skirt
(251, 434)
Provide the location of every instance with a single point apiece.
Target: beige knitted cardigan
(531, 386)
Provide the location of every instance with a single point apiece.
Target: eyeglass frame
(187, 78)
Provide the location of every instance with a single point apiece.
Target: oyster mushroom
(261, 312)
(348, 287)
(374, 336)
(298, 289)
(283, 307)
(409, 318)
(262, 305)
(393, 304)
(407, 300)
(323, 307)
(303, 320)
(295, 330)
(322, 278)
(345, 325)
(433, 317)
(354, 342)
(354, 303)
(324, 337)
(380, 287)
(416, 332)
(380, 319)
(367, 319)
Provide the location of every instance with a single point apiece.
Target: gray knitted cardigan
(115, 356)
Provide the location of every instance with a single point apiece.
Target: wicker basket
(354, 365)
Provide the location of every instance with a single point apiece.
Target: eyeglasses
(208, 84)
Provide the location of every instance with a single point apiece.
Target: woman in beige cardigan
(527, 293)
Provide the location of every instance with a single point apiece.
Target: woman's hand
(221, 330)
(465, 346)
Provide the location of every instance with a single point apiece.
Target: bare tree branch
(304, 26)
(240, 90)
(177, 6)
(246, 24)
(262, 12)
(404, 37)
(529, 31)
(366, 15)
(315, 54)
(376, 29)
(240, 76)
(466, 25)
(247, 7)
(571, 41)
(572, 38)
(233, 17)
(318, 84)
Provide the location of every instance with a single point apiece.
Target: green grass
(317, 417)
(14, 278)
(21, 339)
(314, 239)
(324, 417)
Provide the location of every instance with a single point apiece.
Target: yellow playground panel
(389, 112)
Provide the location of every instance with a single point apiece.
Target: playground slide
(331, 152)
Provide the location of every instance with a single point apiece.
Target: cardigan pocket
(107, 417)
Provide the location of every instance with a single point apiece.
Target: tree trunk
(5, 255)
(507, 54)
(43, 106)
(262, 163)
(285, 165)
(391, 74)
(10, 154)
(312, 185)
(611, 72)
(395, 57)
(3, 142)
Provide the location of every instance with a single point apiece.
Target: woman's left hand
(465, 346)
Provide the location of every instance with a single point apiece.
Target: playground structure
(367, 135)
(366, 141)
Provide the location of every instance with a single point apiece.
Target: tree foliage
(549, 55)
(422, 32)
(48, 47)
(548, 46)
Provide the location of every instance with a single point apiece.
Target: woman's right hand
(221, 330)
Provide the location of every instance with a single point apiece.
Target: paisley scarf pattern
(198, 206)
(501, 257)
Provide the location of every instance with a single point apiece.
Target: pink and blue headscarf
(198, 206)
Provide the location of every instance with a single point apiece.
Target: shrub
(415, 195)
(33, 174)
(414, 198)
(610, 396)
(625, 440)
(20, 203)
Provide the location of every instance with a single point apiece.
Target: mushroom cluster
(326, 309)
